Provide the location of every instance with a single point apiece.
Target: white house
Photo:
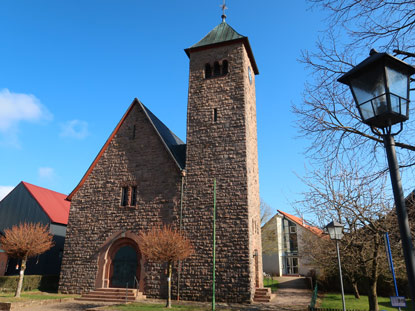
(284, 238)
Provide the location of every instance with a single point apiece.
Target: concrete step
(113, 295)
(104, 299)
(262, 295)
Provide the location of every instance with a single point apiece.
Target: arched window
(208, 71)
(216, 69)
(225, 67)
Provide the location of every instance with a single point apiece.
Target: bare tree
(24, 241)
(328, 116)
(266, 211)
(344, 195)
(165, 245)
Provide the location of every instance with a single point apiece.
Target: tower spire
(224, 7)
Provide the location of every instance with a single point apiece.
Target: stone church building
(145, 176)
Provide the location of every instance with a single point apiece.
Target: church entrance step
(263, 295)
(113, 295)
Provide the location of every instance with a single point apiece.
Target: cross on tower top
(224, 7)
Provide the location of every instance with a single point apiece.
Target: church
(145, 176)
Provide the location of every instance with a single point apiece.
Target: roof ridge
(55, 214)
(27, 183)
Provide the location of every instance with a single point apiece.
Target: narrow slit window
(215, 114)
(208, 71)
(224, 67)
(133, 132)
(124, 196)
(133, 196)
(216, 69)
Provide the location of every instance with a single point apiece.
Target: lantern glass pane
(368, 85)
(380, 105)
(332, 232)
(395, 104)
(404, 106)
(398, 82)
(366, 110)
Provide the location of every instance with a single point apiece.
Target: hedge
(30, 282)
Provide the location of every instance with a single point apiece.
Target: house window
(124, 196)
(133, 195)
(215, 114)
(208, 71)
(293, 229)
(133, 132)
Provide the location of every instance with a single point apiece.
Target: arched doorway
(123, 263)
(124, 267)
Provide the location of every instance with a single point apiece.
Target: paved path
(64, 306)
(293, 294)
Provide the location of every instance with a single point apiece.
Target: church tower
(222, 145)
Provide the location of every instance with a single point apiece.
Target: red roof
(53, 203)
(301, 222)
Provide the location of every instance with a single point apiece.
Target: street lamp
(335, 230)
(380, 87)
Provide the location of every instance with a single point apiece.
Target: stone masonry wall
(253, 177)
(219, 150)
(96, 213)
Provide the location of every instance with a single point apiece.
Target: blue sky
(70, 69)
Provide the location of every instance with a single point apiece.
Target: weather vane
(224, 7)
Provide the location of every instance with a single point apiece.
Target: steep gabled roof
(220, 35)
(174, 146)
(301, 222)
(53, 203)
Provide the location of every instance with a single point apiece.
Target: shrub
(30, 282)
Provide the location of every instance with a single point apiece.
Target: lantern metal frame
(384, 121)
(331, 229)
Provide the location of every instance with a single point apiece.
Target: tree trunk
(169, 287)
(21, 275)
(373, 296)
(355, 290)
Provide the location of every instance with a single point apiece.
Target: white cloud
(4, 190)
(15, 107)
(46, 173)
(74, 129)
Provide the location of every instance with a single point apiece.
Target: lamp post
(335, 230)
(380, 87)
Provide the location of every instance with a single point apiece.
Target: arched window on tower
(208, 71)
(225, 67)
(216, 69)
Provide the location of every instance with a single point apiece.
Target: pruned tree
(346, 196)
(165, 245)
(23, 242)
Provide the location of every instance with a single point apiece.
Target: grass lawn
(335, 301)
(154, 307)
(32, 295)
(273, 284)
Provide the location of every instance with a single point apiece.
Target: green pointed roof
(220, 35)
